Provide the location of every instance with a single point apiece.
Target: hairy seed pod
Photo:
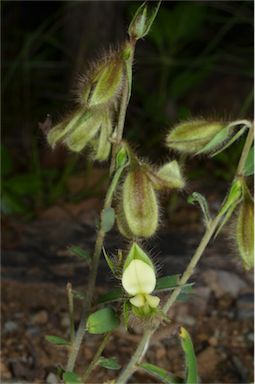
(192, 136)
(245, 232)
(139, 203)
(104, 82)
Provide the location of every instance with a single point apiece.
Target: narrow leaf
(217, 140)
(166, 282)
(71, 378)
(107, 219)
(185, 293)
(102, 321)
(110, 363)
(201, 200)
(191, 362)
(57, 340)
(160, 373)
(78, 251)
(109, 261)
(231, 141)
(249, 165)
(114, 295)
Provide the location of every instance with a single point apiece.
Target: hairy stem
(74, 350)
(94, 361)
(145, 341)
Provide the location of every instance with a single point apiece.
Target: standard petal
(138, 277)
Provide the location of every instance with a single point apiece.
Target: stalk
(74, 350)
(98, 353)
(145, 341)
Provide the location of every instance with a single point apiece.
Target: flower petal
(138, 277)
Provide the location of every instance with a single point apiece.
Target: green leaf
(230, 141)
(110, 363)
(167, 282)
(201, 200)
(114, 295)
(71, 378)
(191, 362)
(249, 165)
(109, 261)
(78, 251)
(57, 340)
(160, 373)
(233, 197)
(216, 141)
(185, 293)
(107, 219)
(232, 200)
(102, 321)
(142, 20)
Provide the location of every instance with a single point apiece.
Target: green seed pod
(139, 204)
(104, 82)
(193, 136)
(245, 232)
(168, 176)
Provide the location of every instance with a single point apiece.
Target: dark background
(196, 61)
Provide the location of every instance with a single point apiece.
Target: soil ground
(37, 266)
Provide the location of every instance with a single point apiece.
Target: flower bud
(104, 82)
(139, 280)
(245, 232)
(168, 176)
(192, 136)
(142, 21)
(139, 205)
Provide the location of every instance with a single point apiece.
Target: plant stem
(74, 350)
(123, 109)
(70, 307)
(144, 343)
(94, 361)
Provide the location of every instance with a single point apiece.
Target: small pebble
(10, 326)
(51, 378)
